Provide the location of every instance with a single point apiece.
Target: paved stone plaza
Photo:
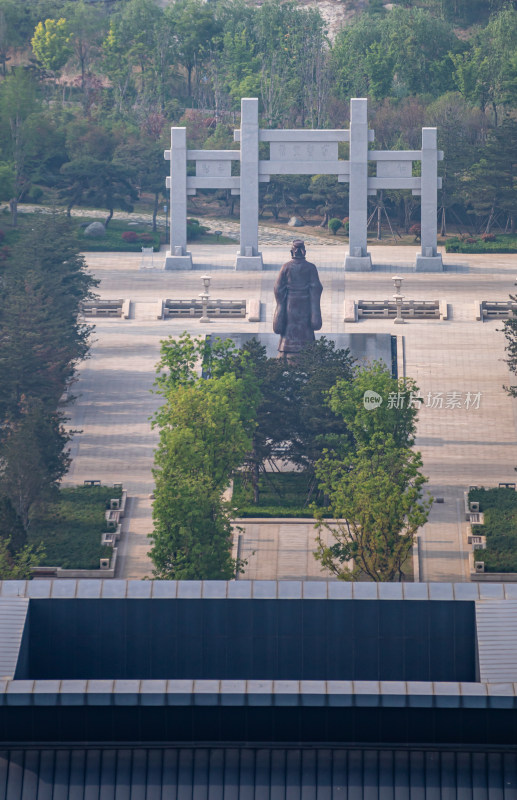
(460, 446)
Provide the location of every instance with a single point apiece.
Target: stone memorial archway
(303, 152)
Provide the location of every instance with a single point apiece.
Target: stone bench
(494, 309)
(106, 308)
(387, 309)
(194, 308)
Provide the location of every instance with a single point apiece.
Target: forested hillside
(88, 91)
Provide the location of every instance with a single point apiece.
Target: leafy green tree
(286, 193)
(41, 340)
(314, 424)
(485, 72)
(353, 45)
(140, 50)
(86, 27)
(510, 332)
(379, 496)
(374, 485)
(108, 184)
(51, 44)
(18, 100)
(20, 565)
(294, 423)
(421, 45)
(205, 431)
(328, 197)
(145, 155)
(490, 183)
(12, 18)
(118, 67)
(290, 43)
(461, 130)
(33, 459)
(195, 29)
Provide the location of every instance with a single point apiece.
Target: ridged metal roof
(255, 774)
(13, 612)
(496, 623)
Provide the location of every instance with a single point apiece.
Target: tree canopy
(374, 482)
(41, 343)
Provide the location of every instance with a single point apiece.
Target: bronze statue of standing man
(297, 294)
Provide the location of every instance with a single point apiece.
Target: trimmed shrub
(130, 236)
(194, 229)
(334, 225)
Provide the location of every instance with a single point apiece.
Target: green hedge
(504, 243)
(281, 494)
(274, 511)
(500, 528)
(70, 528)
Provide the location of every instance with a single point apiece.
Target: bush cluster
(194, 229)
(488, 243)
(133, 236)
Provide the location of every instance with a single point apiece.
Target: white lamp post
(204, 298)
(397, 280)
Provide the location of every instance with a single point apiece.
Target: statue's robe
(298, 314)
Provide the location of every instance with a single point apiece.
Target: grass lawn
(70, 528)
(282, 494)
(113, 240)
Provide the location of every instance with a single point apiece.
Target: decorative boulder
(294, 222)
(95, 230)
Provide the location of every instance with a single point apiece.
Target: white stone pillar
(358, 259)
(178, 257)
(429, 260)
(248, 257)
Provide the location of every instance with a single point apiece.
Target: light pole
(204, 298)
(398, 299)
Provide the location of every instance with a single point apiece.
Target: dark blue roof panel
(255, 774)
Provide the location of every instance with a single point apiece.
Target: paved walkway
(460, 446)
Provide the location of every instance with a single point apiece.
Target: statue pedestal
(363, 346)
(429, 263)
(358, 263)
(177, 262)
(249, 263)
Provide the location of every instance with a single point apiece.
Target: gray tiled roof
(496, 623)
(13, 612)
(230, 773)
